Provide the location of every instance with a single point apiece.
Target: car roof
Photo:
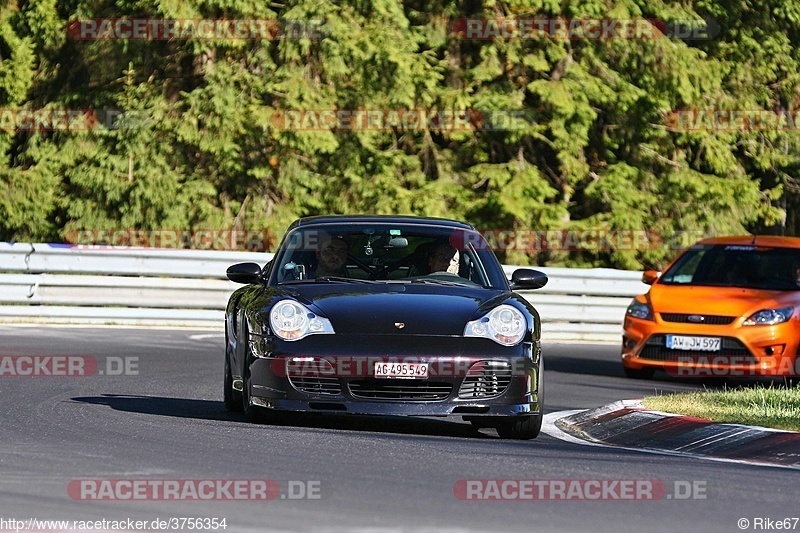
(380, 219)
(759, 240)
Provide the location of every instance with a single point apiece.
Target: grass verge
(772, 407)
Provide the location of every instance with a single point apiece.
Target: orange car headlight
(639, 310)
(769, 317)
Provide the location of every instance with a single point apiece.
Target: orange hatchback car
(725, 307)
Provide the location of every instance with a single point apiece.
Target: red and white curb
(628, 425)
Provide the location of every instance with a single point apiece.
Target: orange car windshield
(752, 267)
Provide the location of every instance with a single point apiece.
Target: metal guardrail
(143, 286)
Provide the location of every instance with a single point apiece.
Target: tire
(254, 413)
(232, 398)
(520, 427)
(251, 412)
(525, 427)
(640, 373)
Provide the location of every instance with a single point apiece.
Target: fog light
(774, 350)
(628, 343)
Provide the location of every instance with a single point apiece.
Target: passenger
(444, 258)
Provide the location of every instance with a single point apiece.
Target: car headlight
(769, 317)
(639, 310)
(504, 325)
(292, 321)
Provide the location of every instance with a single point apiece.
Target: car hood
(408, 309)
(724, 301)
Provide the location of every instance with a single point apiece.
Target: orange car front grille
(711, 320)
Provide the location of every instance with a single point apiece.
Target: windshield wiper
(327, 279)
(341, 279)
(436, 281)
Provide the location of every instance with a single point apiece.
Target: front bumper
(745, 351)
(468, 377)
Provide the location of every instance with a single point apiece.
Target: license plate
(401, 370)
(701, 344)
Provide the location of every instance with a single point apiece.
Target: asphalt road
(165, 420)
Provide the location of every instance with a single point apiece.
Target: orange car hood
(726, 301)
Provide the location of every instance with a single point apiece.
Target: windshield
(752, 267)
(383, 253)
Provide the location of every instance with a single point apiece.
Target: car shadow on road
(214, 410)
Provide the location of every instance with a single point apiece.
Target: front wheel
(251, 412)
(520, 427)
(232, 398)
(526, 427)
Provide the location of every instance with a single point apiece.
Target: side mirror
(650, 276)
(527, 278)
(245, 273)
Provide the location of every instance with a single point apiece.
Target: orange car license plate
(703, 344)
(401, 370)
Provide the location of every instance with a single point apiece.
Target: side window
(472, 269)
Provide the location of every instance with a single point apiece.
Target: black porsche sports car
(385, 315)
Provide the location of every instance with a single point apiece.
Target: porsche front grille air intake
(486, 379)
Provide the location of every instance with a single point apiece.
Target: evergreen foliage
(189, 132)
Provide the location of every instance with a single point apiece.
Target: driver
(331, 257)
(444, 258)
